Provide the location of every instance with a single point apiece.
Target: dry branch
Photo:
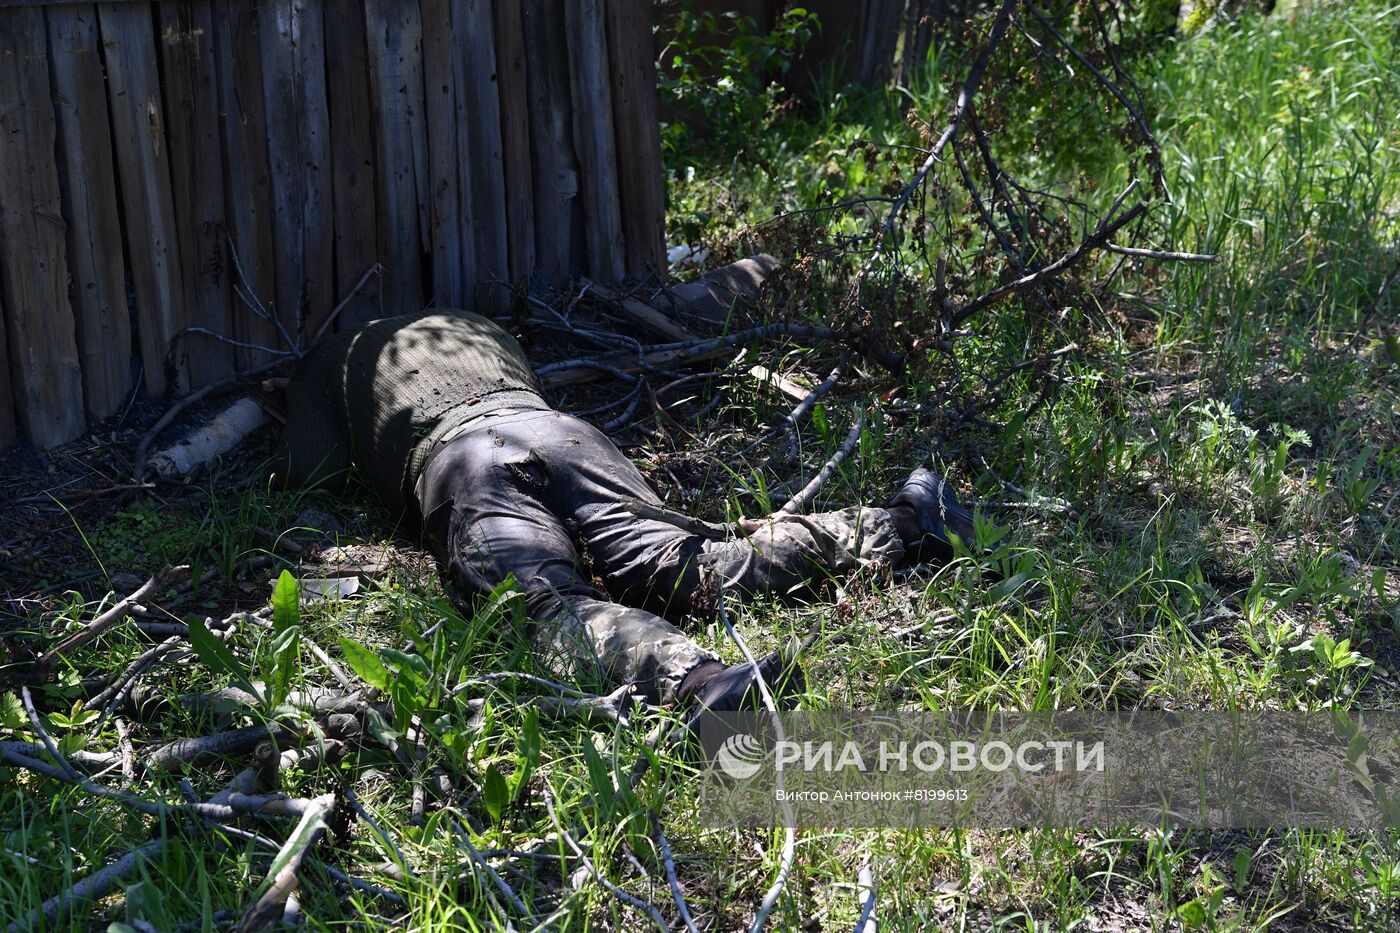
(809, 492)
(94, 886)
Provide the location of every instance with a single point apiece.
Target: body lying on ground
(444, 416)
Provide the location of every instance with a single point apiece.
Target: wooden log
(45, 377)
(197, 179)
(453, 267)
(551, 132)
(394, 33)
(515, 137)
(355, 213)
(641, 179)
(87, 174)
(593, 138)
(248, 179)
(138, 128)
(298, 146)
(476, 44)
(640, 312)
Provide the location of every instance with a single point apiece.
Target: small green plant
(721, 73)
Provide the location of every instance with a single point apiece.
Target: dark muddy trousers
(542, 495)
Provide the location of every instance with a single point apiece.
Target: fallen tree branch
(865, 893)
(965, 95)
(277, 897)
(695, 526)
(180, 406)
(1094, 240)
(804, 497)
(671, 879)
(785, 860)
(1162, 254)
(633, 901)
(107, 619)
(91, 888)
(506, 890)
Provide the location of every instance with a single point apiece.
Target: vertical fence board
(248, 180)
(445, 227)
(551, 134)
(356, 219)
(298, 148)
(515, 136)
(482, 125)
(9, 430)
(44, 372)
(196, 178)
(394, 38)
(88, 178)
(138, 124)
(593, 137)
(641, 184)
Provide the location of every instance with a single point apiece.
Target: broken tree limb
(209, 748)
(695, 526)
(1162, 254)
(670, 863)
(1091, 242)
(91, 888)
(107, 619)
(270, 908)
(645, 907)
(965, 95)
(179, 407)
(804, 497)
(639, 312)
(572, 372)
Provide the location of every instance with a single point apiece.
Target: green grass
(1227, 440)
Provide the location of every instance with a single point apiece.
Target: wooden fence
(459, 143)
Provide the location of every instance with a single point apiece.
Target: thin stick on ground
(770, 899)
(107, 619)
(480, 860)
(379, 831)
(671, 879)
(631, 900)
(1162, 254)
(788, 423)
(866, 892)
(809, 492)
(93, 887)
(277, 898)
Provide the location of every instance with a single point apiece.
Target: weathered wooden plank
(452, 279)
(8, 429)
(298, 152)
(641, 179)
(45, 377)
(138, 127)
(197, 179)
(248, 180)
(515, 137)
(476, 45)
(394, 33)
(87, 174)
(356, 218)
(551, 133)
(593, 138)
